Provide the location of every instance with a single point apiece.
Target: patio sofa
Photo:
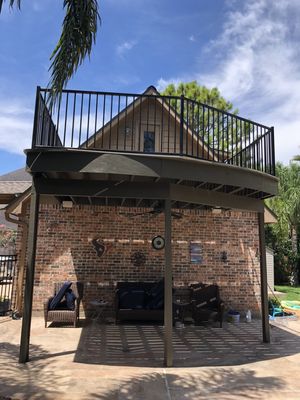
(139, 301)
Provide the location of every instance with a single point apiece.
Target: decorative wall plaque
(158, 243)
(196, 253)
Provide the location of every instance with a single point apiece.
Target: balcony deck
(149, 139)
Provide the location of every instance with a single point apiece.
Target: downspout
(20, 221)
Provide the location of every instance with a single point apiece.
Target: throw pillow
(58, 297)
(70, 299)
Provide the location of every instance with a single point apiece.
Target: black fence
(8, 276)
(151, 123)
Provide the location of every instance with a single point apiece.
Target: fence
(8, 276)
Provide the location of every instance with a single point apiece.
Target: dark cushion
(58, 297)
(62, 305)
(70, 299)
(155, 297)
(131, 299)
(157, 288)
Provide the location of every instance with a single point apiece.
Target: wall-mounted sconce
(216, 210)
(67, 204)
(257, 254)
(224, 256)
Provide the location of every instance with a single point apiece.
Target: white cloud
(125, 47)
(16, 120)
(192, 38)
(256, 64)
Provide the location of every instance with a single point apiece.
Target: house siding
(65, 252)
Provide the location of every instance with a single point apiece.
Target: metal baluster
(96, 120)
(103, 121)
(80, 124)
(88, 121)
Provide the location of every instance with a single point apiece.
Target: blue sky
(248, 49)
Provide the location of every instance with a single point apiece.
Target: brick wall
(65, 251)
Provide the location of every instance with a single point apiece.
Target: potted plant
(4, 305)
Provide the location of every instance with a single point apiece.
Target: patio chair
(63, 313)
(206, 304)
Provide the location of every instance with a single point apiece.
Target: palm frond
(75, 43)
(11, 3)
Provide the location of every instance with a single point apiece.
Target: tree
(77, 38)
(284, 236)
(223, 132)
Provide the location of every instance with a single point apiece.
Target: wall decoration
(158, 242)
(99, 246)
(138, 259)
(196, 253)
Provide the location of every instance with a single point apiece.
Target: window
(149, 142)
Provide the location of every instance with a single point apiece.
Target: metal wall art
(99, 246)
(138, 259)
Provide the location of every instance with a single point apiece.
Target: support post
(263, 279)
(27, 310)
(168, 297)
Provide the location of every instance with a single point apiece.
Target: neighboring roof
(17, 175)
(13, 184)
(17, 187)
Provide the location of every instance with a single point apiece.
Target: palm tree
(77, 38)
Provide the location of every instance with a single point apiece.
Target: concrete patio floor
(125, 362)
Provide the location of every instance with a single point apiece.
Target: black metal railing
(7, 279)
(151, 123)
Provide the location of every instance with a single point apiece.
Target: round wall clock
(158, 243)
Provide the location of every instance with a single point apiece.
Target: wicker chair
(64, 315)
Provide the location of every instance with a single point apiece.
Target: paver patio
(125, 362)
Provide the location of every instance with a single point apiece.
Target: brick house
(121, 169)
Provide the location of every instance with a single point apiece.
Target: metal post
(273, 150)
(263, 278)
(32, 236)
(36, 116)
(181, 123)
(168, 306)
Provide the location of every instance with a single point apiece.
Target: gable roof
(151, 90)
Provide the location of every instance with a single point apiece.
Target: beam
(263, 279)
(155, 166)
(188, 194)
(77, 188)
(168, 303)
(32, 238)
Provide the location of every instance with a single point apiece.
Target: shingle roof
(13, 187)
(15, 182)
(17, 175)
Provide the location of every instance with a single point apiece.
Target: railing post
(273, 150)
(181, 123)
(35, 121)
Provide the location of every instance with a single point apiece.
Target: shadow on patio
(142, 345)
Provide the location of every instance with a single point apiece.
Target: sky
(248, 49)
